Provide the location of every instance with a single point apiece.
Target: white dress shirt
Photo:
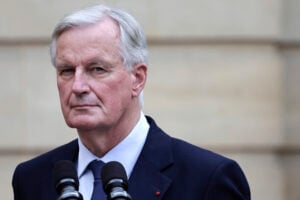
(126, 152)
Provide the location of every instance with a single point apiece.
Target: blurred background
(223, 75)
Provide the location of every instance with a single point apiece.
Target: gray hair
(133, 46)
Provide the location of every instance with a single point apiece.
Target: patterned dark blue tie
(95, 166)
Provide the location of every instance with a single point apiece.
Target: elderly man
(100, 55)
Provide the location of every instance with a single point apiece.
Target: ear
(139, 77)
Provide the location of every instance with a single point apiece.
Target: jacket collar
(67, 152)
(148, 178)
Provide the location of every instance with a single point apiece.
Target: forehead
(106, 28)
(102, 38)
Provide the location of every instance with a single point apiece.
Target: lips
(83, 105)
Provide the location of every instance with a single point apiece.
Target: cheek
(115, 92)
(63, 92)
(123, 87)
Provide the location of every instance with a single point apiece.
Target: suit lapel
(66, 152)
(148, 178)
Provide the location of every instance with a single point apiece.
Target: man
(100, 56)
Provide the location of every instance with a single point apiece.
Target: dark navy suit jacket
(167, 169)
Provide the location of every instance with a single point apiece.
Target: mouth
(83, 106)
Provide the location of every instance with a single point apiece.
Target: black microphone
(66, 181)
(114, 181)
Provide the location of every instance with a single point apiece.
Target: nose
(80, 84)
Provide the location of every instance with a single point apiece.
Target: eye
(66, 71)
(98, 69)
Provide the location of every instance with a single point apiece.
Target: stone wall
(223, 75)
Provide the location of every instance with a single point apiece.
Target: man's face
(95, 89)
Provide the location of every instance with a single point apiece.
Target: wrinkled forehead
(89, 42)
(107, 30)
(105, 25)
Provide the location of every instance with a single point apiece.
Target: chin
(81, 125)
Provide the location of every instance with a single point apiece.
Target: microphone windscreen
(65, 169)
(113, 170)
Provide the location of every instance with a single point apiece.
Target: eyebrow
(99, 62)
(63, 65)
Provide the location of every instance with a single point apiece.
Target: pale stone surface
(290, 20)
(12, 109)
(30, 112)
(241, 96)
(264, 173)
(219, 94)
(292, 95)
(8, 164)
(255, 18)
(291, 164)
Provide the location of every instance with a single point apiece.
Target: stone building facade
(223, 75)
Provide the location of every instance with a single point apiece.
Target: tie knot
(95, 166)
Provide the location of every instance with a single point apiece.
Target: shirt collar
(126, 152)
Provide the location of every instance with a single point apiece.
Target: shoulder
(213, 174)
(182, 151)
(46, 160)
(32, 179)
(218, 173)
(196, 158)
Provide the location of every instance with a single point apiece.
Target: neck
(100, 141)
